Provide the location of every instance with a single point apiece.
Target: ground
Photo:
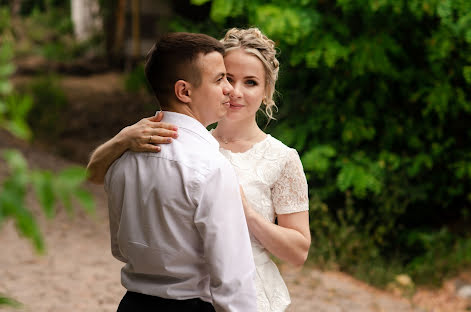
(78, 273)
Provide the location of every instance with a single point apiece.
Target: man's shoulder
(195, 151)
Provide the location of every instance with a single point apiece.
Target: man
(176, 217)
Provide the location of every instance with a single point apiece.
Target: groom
(176, 217)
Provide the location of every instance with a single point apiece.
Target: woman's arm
(289, 240)
(140, 137)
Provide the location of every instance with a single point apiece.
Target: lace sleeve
(289, 193)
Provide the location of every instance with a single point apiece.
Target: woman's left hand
(248, 211)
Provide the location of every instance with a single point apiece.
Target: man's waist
(166, 286)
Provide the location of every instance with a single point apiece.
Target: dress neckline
(253, 147)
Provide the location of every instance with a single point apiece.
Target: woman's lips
(236, 106)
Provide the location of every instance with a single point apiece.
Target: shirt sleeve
(290, 191)
(114, 216)
(221, 223)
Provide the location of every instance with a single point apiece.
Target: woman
(273, 184)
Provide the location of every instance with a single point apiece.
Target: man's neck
(185, 110)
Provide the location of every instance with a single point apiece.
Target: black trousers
(136, 302)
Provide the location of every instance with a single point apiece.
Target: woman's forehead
(242, 62)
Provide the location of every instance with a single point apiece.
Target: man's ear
(183, 91)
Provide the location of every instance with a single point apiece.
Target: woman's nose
(236, 92)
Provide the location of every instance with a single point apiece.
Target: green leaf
(65, 198)
(18, 127)
(313, 58)
(43, 186)
(467, 36)
(5, 87)
(19, 105)
(6, 52)
(199, 2)
(27, 225)
(221, 9)
(318, 158)
(467, 74)
(291, 24)
(7, 69)
(359, 179)
(15, 160)
(6, 301)
(86, 200)
(71, 177)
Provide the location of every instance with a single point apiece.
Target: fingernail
(175, 135)
(157, 148)
(169, 140)
(175, 128)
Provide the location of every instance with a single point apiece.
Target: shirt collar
(191, 124)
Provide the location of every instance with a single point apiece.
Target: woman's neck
(239, 136)
(232, 131)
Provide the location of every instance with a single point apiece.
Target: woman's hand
(145, 134)
(248, 211)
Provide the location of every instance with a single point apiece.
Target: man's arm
(139, 137)
(221, 223)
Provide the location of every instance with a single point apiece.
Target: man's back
(177, 222)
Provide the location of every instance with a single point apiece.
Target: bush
(376, 98)
(49, 104)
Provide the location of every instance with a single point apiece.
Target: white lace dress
(274, 183)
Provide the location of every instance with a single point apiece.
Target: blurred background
(375, 96)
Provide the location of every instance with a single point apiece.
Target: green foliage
(376, 97)
(136, 80)
(50, 189)
(49, 104)
(5, 301)
(47, 30)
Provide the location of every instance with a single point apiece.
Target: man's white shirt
(177, 221)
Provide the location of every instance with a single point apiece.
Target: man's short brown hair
(173, 58)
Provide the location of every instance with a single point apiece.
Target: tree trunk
(136, 37)
(15, 7)
(86, 18)
(120, 14)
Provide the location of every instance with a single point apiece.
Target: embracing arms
(140, 137)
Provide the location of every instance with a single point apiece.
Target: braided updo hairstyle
(253, 41)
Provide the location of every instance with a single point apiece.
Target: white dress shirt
(177, 221)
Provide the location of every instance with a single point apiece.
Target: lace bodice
(274, 183)
(272, 177)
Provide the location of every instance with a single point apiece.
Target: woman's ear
(183, 91)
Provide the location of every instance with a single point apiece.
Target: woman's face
(246, 74)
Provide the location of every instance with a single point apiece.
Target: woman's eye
(251, 82)
(229, 79)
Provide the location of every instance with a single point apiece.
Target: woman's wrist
(121, 140)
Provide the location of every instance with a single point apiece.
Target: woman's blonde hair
(253, 41)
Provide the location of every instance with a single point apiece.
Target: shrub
(376, 98)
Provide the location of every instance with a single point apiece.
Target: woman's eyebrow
(251, 77)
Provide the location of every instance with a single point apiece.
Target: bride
(273, 184)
